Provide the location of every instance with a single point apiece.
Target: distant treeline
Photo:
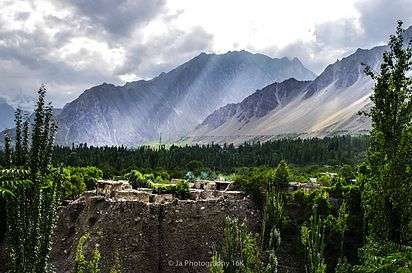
(116, 160)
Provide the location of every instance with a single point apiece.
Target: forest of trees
(112, 161)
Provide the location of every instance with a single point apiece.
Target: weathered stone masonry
(150, 237)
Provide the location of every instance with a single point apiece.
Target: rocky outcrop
(150, 235)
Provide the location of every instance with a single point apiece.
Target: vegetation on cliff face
(239, 251)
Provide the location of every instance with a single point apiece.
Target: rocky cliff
(151, 237)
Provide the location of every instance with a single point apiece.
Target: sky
(72, 45)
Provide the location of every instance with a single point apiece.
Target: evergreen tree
(25, 142)
(388, 189)
(18, 145)
(8, 153)
(38, 132)
(281, 177)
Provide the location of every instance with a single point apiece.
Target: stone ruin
(151, 233)
(199, 190)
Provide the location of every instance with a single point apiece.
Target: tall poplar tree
(388, 189)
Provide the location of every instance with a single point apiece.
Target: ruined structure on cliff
(150, 233)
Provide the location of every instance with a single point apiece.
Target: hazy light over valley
(73, 45)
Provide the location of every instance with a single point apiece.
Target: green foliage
(343, 266)
(18, 160)
(312, 237)
(281, 177)
(114, 161)
(159, 182)
(378, 257)
(325, 180)
(388, 183)
(136, 179)
(79, 179)
(82, 265)
(216, 265)
(8, 153)
(347, 173)
(195, 166)
(11, 180)
(239, 252)
(273, 216)
(274, 244)
(181, 189)
(342, 224)
(254, 181)
(31, 213)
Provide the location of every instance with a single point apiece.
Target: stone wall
(178, 236)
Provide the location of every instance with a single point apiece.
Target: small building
(313, 180)
(305, 186)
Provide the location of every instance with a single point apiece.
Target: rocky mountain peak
(172, 103)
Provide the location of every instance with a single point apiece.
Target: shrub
(180, 189)
(253, 181)
(77, 180)
(136, 179)
(379, 257)
(239, 251)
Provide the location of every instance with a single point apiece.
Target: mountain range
(327, 106)
(223, 98)
(173, 103)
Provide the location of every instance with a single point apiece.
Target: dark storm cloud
(164, 52)
(378, 18)
(26, 62)
(31, 57)
(118, 18)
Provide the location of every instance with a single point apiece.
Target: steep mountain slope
(172, 103)
(328, 105)
(6, 115)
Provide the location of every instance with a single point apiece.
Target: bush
(379, 257)
(253, 181)
(136, 179)
(77, 180)
(180, 189)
